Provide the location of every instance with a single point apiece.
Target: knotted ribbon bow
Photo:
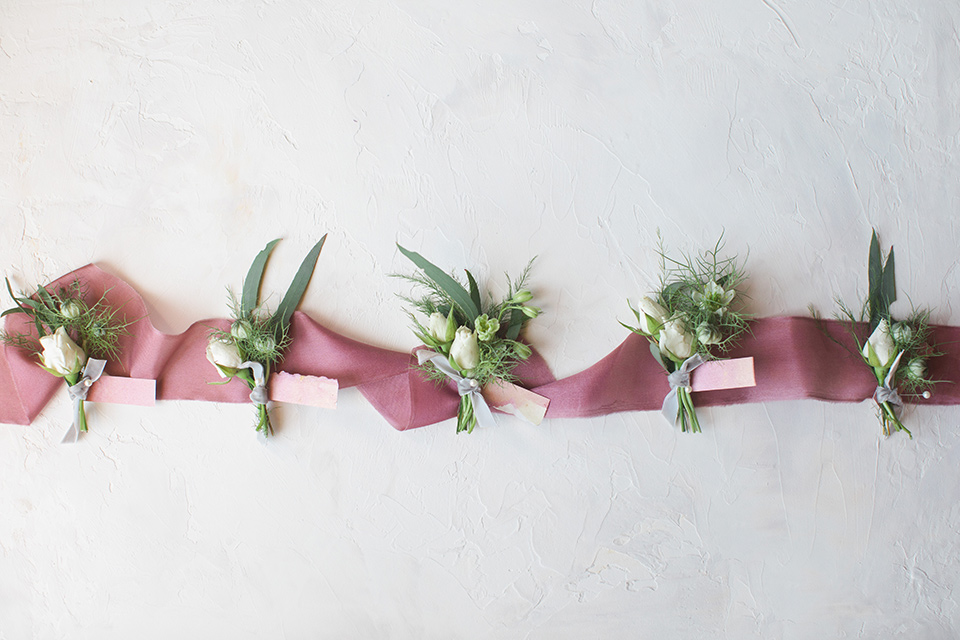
(259, 393)
(888, 394)
(465, 386)
(78, 393)
(678, 379)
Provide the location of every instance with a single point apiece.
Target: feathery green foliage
(494, 326)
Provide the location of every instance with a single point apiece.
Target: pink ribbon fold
(792, 357)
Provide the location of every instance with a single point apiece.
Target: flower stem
(687, 408)
(263, 424)
(466, 420)
(888, 416)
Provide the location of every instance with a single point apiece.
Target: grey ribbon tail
(887, 393)
(465, 386)
(677, 379)
(259, 393)
(78, 393)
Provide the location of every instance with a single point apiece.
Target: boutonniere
(258, 338)
(74, 340)
(897, 351)
(691, 317)
(470, 341)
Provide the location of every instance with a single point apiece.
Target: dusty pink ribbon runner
(792, 358)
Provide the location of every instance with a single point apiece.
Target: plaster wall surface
(168, 141)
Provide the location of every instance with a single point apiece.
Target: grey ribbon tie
(887, 393)
(465, 386)
(259, 393)
(677, 379)
(78, 393)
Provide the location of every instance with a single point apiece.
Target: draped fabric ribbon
(465, 386)
(78, 393)
(679, 379)
(795, 358)
(888, 394)
(259, 393)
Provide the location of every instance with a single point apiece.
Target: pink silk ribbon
(793, 359)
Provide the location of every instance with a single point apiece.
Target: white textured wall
(167, 141)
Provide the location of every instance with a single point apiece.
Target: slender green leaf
(291, 300)
(888, 284)
(10, 291)
(474, 291)
(655, 350)
(632, 329)
(14, 310)
(516, 324)
(27, 302)
(671, 290)
(452, 288)
(46, 298)
(251, 284)
(874, 276)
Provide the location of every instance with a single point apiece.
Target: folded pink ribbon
(179, 365)
(792, 359)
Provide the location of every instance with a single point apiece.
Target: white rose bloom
(438, 326)
(465, 351)
(223, 353)
(655, 314)
(61, 354)
(677, 343)
(880, 345)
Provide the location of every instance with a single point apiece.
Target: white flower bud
(708, 334)
(438, 326)
(655, 315)
(675, 342)
(902, 332)
(223, 353)
(241, 330)
(917, 369)
(465, 351)
(71, 309)
(61, 354)
(879, 350)
(265, 344)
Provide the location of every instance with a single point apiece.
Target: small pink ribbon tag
(517, 401)
(312, 391)
(713, 375)
(140, 392)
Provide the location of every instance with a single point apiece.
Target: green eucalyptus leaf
(251, 284)
(450, 286)
(291, 300)
(474, 291)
